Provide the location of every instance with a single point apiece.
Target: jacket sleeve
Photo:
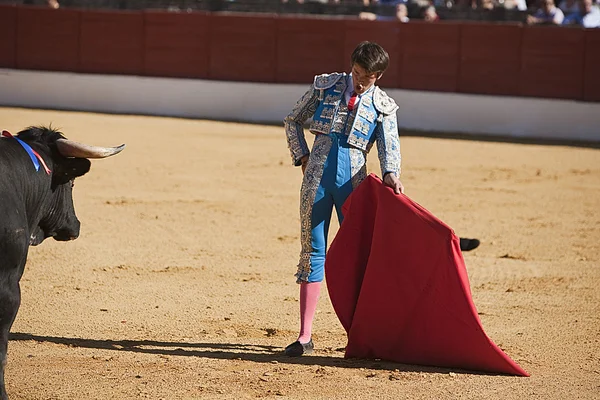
(294, 131)
(388, 144)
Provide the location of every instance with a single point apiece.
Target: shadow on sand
(234, 351)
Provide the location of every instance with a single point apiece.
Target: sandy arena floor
(181, 284)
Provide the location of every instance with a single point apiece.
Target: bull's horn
(69, 148)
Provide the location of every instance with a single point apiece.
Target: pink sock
(309, 294)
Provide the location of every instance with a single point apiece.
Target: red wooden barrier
(490, 59)
(307, 47)
(242, 48)
(8, 36)
(176, 45)
(552, 62)
(431, 56)
(112, 42)
(591, 78)
(383, 32)
(48, 39)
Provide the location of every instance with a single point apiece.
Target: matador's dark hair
(371, 56)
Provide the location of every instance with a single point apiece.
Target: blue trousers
(333, 190)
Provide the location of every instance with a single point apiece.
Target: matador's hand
(304, 161)
(391, 180)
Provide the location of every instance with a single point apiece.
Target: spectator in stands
(588, 15)
(520, 5)
(401, 15)
(441, 3)
(367, 3)
(430, 14)
(402, 12)
(547, 14)
(489, 4)
(486, 5)
(463, 4)
(476, 4)
(50, 3)
(569, 6)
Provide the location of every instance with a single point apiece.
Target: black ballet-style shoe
(468, 244)
(298, 349)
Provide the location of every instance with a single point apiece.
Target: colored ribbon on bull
(31, 152)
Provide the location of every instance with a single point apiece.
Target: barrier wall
(552, 63)
(176, 45)
(112, 42)
(490, 59)
(306, 47)
(242, 48)
(430, 56)
(591, 89)
(524, 117)
(8, 36)
(477, 58)
(47, 40)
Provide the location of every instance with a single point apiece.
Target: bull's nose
(66, 236)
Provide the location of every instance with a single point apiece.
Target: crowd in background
(568, 12)
(582, 13)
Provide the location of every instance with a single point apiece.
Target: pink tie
(352, 101)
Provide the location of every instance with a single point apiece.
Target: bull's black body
(34, 205)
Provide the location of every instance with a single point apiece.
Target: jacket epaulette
(325, 81)
(384, 103)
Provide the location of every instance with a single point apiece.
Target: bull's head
(69, 160)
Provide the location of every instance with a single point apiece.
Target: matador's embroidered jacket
(373, 121)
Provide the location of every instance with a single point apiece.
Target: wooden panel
(552, 62)
(8, 36)
(431, 56)
(591, 77)
(176, 45)
(48, 39)
(490, 59)
(307, 47)
(242, 48)
(112, 42)
(385, 33)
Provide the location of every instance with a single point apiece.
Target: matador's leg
(315, 213)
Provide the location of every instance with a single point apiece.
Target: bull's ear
(70, 168)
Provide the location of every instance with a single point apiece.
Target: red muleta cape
(398, 283)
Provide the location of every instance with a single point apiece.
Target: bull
(37, 170)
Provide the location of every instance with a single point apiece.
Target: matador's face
(362, 79)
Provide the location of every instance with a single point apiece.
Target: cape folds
(398, 283)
